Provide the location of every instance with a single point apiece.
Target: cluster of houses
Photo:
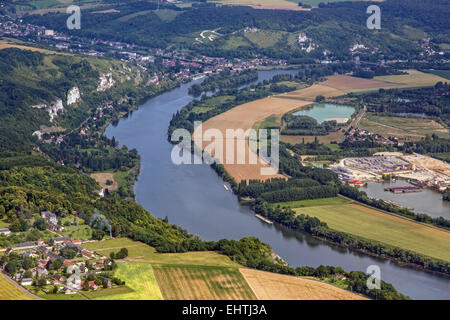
(358, 134)
(52, 221)
(72, 274)
(52, 224)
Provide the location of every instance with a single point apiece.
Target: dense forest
(307, 126)
(432, 102)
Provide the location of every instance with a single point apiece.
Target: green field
(442, 73)
(414, 78)
(312, 202)
(235, 42)
(3, 224)
(375, 225)
(445, 46)
(264, 39)
(100, 293)
(80, 231)
(202, 283)
(138, 277)
(140, 252)
(60, 296)
(404, 128)
(9, 291)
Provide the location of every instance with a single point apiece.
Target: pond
(326, 112)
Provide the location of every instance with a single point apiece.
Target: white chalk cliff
(106, 82)
(52, 109)
(73, 96)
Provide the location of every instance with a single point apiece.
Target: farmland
(200, 276)
(263, 4)
(414, 78)
(244, 117)
(140, 252)
(140, 278)
(269, 286)
(404, 128)
(312, 202)
(103, 177)
(375, 225)
(9, 291)
(202, 283)
(17, 44)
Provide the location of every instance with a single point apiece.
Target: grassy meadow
(9, 291)
(140, 279)
(140, 252)
(375, 225)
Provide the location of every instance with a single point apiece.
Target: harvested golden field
(9, 291)
(342, 82)
(264, 4)
(414, 78)
(310, 93)
(102, 177)
(202, 283)
(273, 286)
(4, 44)
(244, 117)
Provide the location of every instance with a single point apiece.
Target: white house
(26, 282)
(5, 231)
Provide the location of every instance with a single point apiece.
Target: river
(427, 201)
(193, 197)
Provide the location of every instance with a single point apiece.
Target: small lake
(326, 111)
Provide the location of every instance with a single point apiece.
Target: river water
(427, 201)
(194, 197)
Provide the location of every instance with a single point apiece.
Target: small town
(59, 264)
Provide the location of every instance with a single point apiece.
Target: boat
(226, 188)
(263, 219)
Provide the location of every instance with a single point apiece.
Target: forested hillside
(243, 31)
(32, 79)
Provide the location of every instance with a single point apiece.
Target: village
(59, 264)
(186, 67)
